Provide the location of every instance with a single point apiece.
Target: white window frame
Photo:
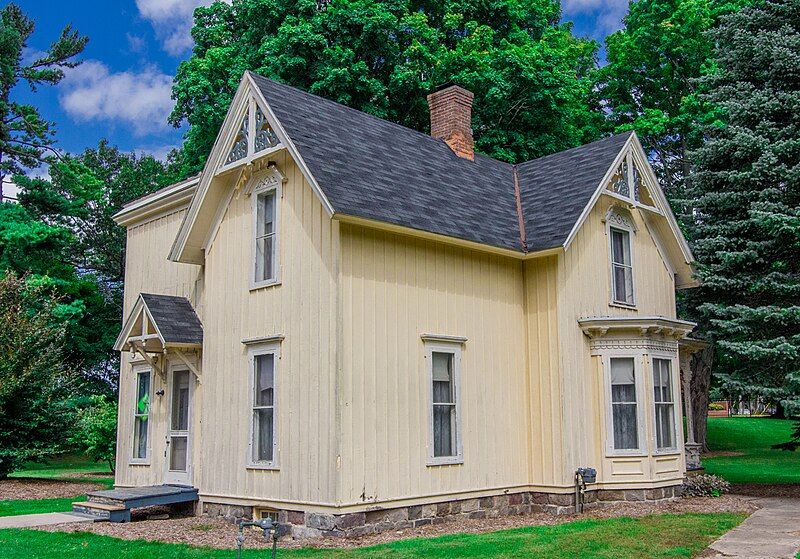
(133, 460)
(620, 225)
(259, 190)
(442, 344)
(272, 347)
(677, 415)
(638, 368)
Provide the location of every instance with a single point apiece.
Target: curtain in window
(621, 266)
(623, 404)
(664, 404)
(444, 405)
(263, 408)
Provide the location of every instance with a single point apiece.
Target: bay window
(624, 404)
(664, 402)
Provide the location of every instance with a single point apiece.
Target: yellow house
(354, 326)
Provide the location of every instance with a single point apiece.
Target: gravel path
(200, 531)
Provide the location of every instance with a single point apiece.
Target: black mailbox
(589, 475)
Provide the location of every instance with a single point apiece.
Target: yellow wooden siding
(303, 308)
(148, 270)
(394, 289)
(584, 290)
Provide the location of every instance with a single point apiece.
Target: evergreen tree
(746, 195)
(529, 74)
(25, 137)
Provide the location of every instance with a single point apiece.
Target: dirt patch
(722, 454)
(207, 532)
(37, 488)
(765, 490)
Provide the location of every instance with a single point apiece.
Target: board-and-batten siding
(584, 290)
(394, 289)
(303, 308)
(148, 270)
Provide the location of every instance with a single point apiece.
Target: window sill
(630, 307)
(264, 284)
(449, 461)
(667, 452)
(268, 467)
(141, 462)
(627, 454)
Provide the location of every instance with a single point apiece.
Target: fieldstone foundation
(301, 524)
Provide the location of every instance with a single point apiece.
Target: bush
(715, 407)
(705, 485)
(95, 432)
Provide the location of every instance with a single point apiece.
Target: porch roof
(158, 322)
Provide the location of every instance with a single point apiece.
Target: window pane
(265, 380)
(140, 436)
(264, 248)
(623, 407)
(626, 435)
(143, 392)
(263, 434)
(662, 380)
(620, 247)
(265, 218)
(665, 426)
(180, 401)
(623, 284)
(178, 448)
(444, 429)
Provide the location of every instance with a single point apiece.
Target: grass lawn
(662, 536)
(61, 467)
(753, 437)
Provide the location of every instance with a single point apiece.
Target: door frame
(174, 477)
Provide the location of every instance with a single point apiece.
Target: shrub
(95, 432)
(705, 485)
(715, 407)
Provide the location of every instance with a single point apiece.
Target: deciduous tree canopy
(530, 74)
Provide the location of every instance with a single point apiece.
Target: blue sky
(122, 90)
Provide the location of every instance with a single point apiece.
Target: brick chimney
(451, 119)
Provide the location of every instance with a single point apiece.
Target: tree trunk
(702, 362)
(780, 411)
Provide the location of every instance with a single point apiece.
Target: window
(263, 443)
(141, 415)
(265, 242)
(624, 407)
(621, 266)
(444, 361)
(664, 404)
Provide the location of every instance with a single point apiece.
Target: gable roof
(175, 322)
(367, 169)
(556, 188)
(175, 318)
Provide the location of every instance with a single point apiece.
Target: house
(354, 326)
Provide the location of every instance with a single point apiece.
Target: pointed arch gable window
(254, 137)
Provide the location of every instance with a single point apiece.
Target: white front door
(178, 444)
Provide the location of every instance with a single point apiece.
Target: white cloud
(608, 14)
(141, 99)
(10, 189)
(135, 44)
(159, 152)
(172, 21)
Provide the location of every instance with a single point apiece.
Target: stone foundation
(301, 524)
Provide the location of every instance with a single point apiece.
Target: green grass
(60, 468)
(662, 537)
(753, 437)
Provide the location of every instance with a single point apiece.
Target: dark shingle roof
(175, 318)
(556, 188)
(371, 168)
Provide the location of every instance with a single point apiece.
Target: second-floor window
(266, 237)
(621, 267)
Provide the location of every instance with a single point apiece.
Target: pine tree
(746, 198)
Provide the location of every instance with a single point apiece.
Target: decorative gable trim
(246, 101)
(632, 152)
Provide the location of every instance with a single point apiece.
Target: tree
(746, 195)
(34, 385)
(95, 431)
(649, 83)
(76, 206)
(529, 74)
(25, 137)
